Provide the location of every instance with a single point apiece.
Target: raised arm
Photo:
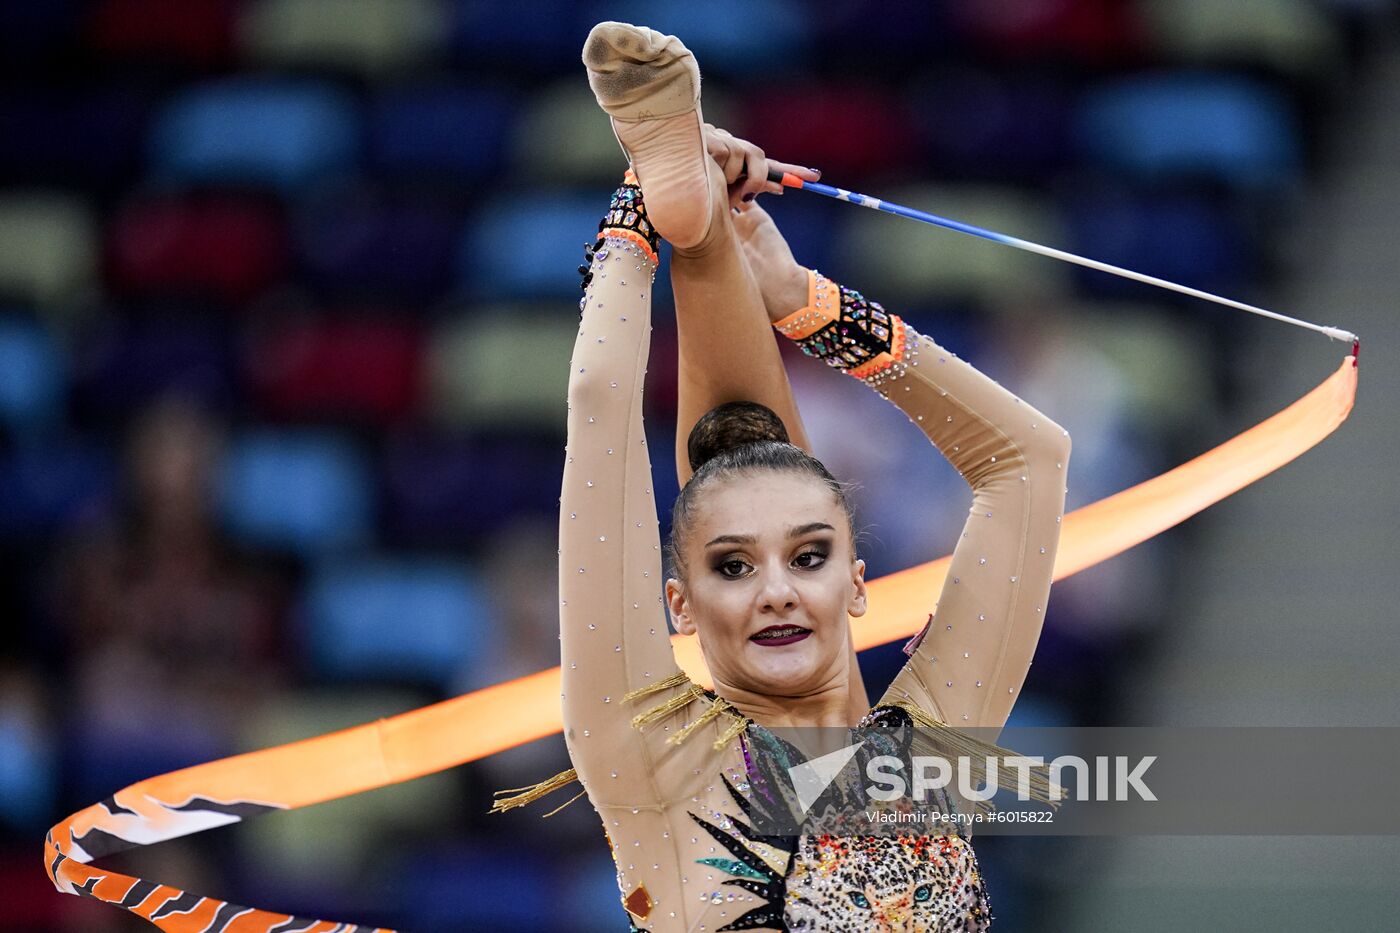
(967, 666)
(612, 621)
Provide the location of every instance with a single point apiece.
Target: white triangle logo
(812, 777)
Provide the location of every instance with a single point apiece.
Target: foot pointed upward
(649, 84)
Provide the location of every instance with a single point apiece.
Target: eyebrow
(792, 533)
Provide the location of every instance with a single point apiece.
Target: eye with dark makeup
(814, 558)
(728, 562)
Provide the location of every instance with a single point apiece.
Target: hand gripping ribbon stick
(486, 721)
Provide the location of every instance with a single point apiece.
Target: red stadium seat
(197, 33)
(847, 130)
(224, 246)
(1079, 31)
(364, 371)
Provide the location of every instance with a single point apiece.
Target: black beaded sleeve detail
(862, 331)
(626, 216)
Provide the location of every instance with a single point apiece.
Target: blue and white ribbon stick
(789, 180)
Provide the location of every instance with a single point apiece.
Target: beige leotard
(668, 786)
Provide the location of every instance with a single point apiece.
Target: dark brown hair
(733, 439)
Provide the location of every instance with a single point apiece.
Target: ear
(858, 603)
(679, 606)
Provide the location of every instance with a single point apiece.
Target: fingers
(760, 168)
(801, 171)
(732, 164)
(729, 154)
(756, 166)
(746, 167)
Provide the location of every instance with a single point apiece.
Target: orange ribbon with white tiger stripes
(472, 726)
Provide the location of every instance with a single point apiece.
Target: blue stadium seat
(591, 884)
(982, 124)
(1229, 130)
(488, 886)
(32, 373)
(124, 369)
(808, 224)
(453, 131)
(101, 758)
(1182, 237)
(354, 242)
(434, 486)
(28, 762)
(551, 41)
(903, 31)
(1034, 711)
(419, 621)
(303, 492)
(281, 133)
(529, 246)
(49, 487)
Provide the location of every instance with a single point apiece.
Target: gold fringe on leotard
(679, 701)
(739, 724)
(675, 680)
(718, 706)
(534, 792)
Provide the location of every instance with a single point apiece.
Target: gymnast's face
(771, 577)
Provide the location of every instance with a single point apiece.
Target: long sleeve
(967, 666)
(613, 634)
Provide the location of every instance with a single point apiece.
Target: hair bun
(731, 425)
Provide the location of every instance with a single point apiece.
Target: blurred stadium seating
(347, 232)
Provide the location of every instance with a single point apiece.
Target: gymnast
(762, 564)
(763, 570)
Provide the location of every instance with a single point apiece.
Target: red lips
(775, 635)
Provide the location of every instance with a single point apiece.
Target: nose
(896, 915)
(778, 594)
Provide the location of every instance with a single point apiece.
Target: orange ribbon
(496, 718)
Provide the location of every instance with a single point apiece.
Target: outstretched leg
(727, 348)
(649, 84)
